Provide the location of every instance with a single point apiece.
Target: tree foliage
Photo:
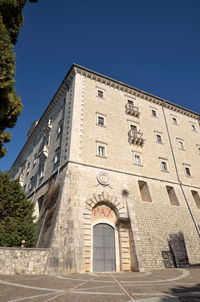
(16, 214)
(11, 20)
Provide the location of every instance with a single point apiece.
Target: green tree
(11, 20)
(16, 214)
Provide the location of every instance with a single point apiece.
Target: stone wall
(23, 261)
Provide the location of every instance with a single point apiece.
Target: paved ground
(156, 286)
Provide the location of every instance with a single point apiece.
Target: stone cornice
(134, 91)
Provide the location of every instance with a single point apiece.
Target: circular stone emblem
(103, 178)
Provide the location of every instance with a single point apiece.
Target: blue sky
(153, 45)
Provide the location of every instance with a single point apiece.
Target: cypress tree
(16, 214)
(11, 20)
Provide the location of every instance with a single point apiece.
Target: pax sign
(101, 212)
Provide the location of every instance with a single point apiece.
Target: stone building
(114, 175)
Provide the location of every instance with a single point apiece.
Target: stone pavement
(157, 286)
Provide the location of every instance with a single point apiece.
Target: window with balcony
(44, 151)
(134, 136)
(134, 128)
(130, 102)
(196, 197)
(144, 191)
(172, 196)
(131, 109)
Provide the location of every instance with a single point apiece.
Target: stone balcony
(132, 110)
(136, 138)
(44, 152)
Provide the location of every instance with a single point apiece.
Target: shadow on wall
(177, 254)
(47, 216)
(182, 294)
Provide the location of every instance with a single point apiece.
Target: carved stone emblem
(103, 178)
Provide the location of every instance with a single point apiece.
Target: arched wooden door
(104, 255)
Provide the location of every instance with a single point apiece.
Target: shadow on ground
(183, 294)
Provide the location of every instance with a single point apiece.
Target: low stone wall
(23, 261)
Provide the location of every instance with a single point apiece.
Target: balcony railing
(132, 110)
(136, 138)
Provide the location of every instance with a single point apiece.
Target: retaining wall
(23, 261)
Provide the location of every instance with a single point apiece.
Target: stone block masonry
(23, 261)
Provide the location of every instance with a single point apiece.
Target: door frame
(117, 253)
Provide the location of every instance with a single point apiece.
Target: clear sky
(153, 45)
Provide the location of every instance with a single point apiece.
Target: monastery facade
(114, 174)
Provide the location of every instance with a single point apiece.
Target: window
(159, 138)
(101, 151)
(187, 171)
(60, 128)
(50, 121)
(134, 128)
(57, 156)
(144, 191)
(100, 120)
(193, 128)
(196, 198)
(172, 196)
(40, 203)
(137, 160)
(41, 172)
(100, 93)
(28, 168)
(31, 183)
(154, 113)
(174, 120)
(180, 145)
(130, 102)
(55, 159)
(164, 166)
(34, 159)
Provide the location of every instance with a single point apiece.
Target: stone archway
(121, 230)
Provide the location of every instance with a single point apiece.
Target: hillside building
(114, 175)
